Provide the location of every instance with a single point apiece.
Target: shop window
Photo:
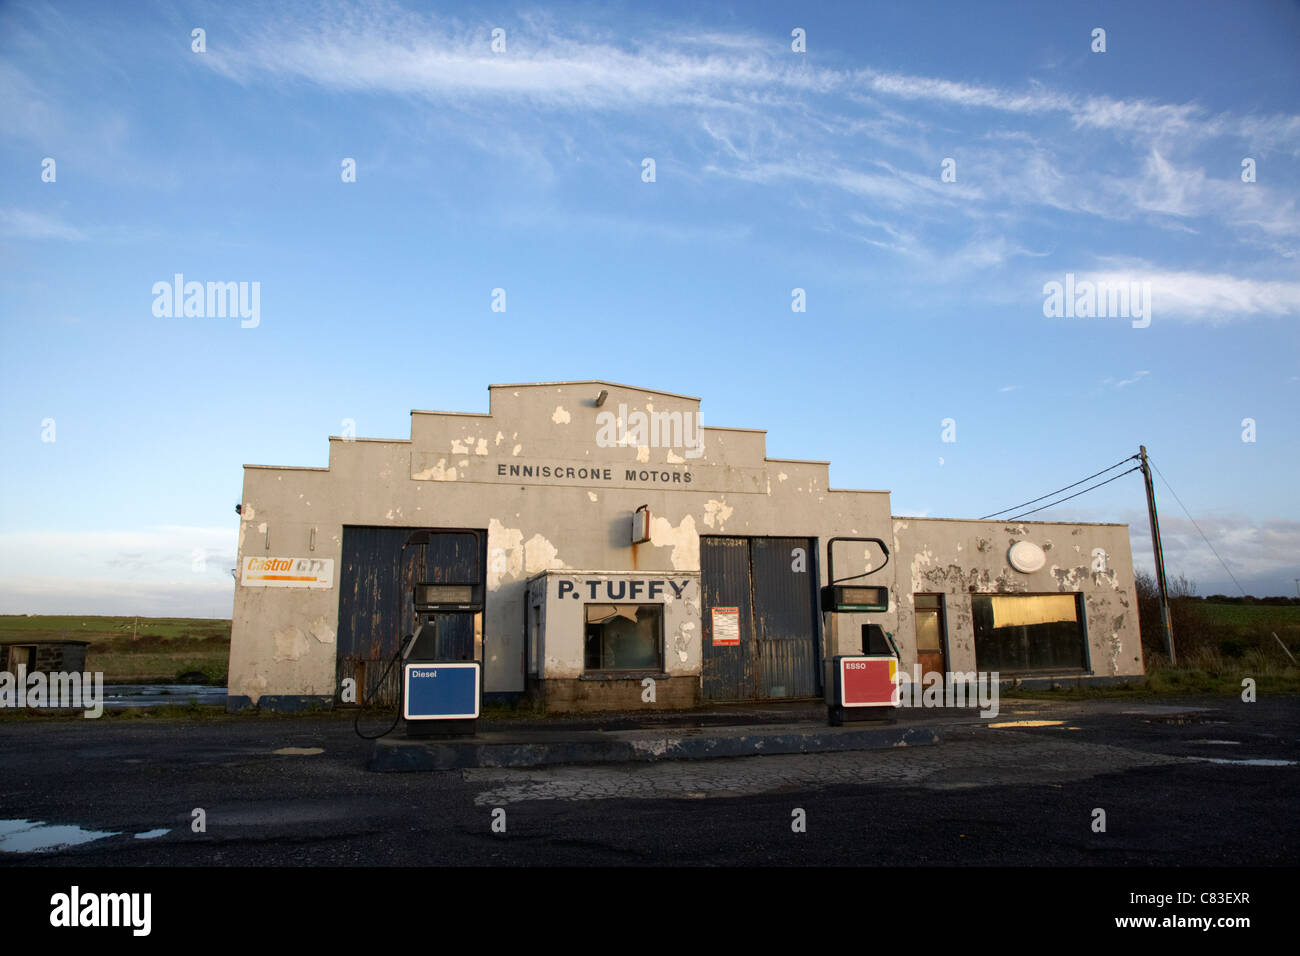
(1028, 632)
(624, 637)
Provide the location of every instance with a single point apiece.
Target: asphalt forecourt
(1124, 799)
(538, 747)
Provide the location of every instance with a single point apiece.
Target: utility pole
(1159, 551)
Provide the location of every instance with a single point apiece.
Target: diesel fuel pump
(441, 689)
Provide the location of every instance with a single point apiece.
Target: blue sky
(522, 170)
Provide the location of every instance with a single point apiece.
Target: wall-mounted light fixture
(600, 399)
(641, 525)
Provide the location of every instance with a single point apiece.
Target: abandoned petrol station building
(596, 535)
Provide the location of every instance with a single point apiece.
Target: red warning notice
(726, 626)
(868, 681)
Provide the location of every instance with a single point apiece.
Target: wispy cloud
(770, 118)
(1124, 382)
(29, 224)
(1212, 298)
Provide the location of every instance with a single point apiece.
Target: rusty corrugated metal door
(785, 616)
(376, 578)
(724, 582)
(778, 655)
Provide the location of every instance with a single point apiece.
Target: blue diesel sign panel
(441, 691)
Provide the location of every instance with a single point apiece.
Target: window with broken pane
(624, 637)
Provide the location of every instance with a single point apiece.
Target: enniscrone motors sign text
(661, 476)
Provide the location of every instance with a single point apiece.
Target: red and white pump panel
(867, 681)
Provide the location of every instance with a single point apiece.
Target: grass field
(132, 650)
(1233, 636)
(1250, 621)
(1218, 646)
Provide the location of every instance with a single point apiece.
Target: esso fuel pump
(858, 685)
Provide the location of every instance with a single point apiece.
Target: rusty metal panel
(452, 558)
(729, 672)
(785, 616)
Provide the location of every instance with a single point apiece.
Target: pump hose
(356, 721)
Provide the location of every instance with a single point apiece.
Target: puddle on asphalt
(1232, 743)
(33, 836)
(152, 834)
(1250, 762)
(1029, 723)
(299, 751)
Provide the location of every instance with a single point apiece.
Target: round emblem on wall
(1026, 557)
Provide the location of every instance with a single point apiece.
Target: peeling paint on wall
(717, 511)
(682, 640)
(1076, 578)
(509, 556)
(254, 687)
(684, 539)
(290, 644)
(505, 553)
(561, 417)
(540, 555)
(438, 472)
(321, 630)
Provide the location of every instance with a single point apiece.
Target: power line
(1198, 528)
(1053, 504)
(1058, 490)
